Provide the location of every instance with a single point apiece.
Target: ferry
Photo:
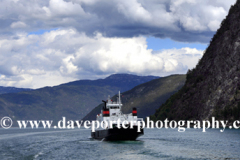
(111, 113)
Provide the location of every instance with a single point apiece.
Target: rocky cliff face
(213, 87)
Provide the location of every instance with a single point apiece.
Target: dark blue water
(155, 144)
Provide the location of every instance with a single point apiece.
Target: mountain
(213, 87)
(4, 90)
(72, 100)
(145, 97)
(123, 81)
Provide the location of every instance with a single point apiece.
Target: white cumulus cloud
(49, 42)
(18, 25)
(64, 55)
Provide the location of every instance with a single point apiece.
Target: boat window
(114, 107)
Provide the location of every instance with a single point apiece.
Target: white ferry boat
(111, 113)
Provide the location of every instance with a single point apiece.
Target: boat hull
(117, 134)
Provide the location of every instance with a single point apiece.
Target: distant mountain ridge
(124, 81)
(72, 100)
(212, 89)
(4, 90)
(145, 97)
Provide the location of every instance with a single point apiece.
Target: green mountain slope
(145, 97)
(72, 100)
(213, 87)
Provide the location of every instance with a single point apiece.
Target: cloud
(181, 20)
(63, 55)
(50, 42)
(18, 25)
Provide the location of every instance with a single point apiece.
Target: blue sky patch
(42, 31)
(167, 43)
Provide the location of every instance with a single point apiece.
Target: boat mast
(119, 97)
(119, 100)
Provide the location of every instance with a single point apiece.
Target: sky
(50, 42)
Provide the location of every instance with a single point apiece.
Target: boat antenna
(119, 97)
(105, 102)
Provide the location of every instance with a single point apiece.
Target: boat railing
(140, 119)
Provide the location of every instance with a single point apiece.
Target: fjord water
(155, 144)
